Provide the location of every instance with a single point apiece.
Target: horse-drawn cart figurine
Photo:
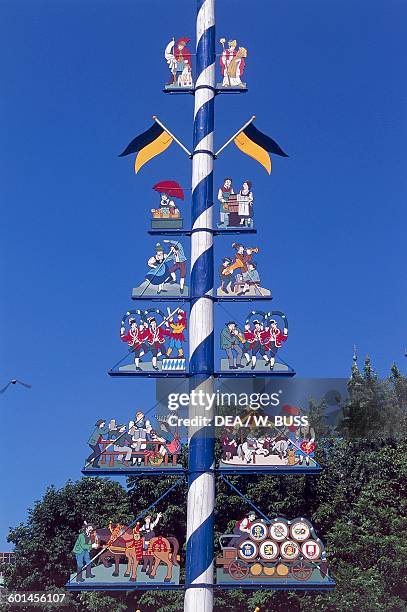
(279, 552)
(135, 552)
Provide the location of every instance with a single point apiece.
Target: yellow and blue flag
(147, 145)
(257, 145)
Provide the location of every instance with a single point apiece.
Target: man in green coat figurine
(95, 440)
(81, 550)
(229, 342)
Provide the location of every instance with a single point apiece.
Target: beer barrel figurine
(258, 531)
(273, 551)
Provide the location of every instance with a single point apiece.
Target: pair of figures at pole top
(232, 61)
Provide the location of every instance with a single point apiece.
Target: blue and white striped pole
(201, 483)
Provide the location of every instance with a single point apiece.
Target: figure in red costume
(136, 543)
(178, 59)
(135, 338)
(156, 339)
(271, 339)
(232, 63)
(178, 325)
(242, 528)
(253, 341)
(248, 341)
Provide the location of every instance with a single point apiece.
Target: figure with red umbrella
(167, 215)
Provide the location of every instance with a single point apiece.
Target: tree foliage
(357, 506)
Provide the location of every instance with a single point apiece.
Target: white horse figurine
(251, 447)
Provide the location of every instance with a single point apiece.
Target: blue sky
(80, 79)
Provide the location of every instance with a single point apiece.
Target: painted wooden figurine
(268, 447)
(279, 551)
(178, 59)
(239, 275)
(254, 345)
(167, 215)
(236, 208)
(138, 551)
(232, 63)
(155, 340)
(166, 272)
(141, 443)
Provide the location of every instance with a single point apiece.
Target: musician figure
(230, 340)
(251, 277)
(272, 339)
(225, 280)
(243, 256)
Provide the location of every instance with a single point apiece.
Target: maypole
(201, 480)
(265, 553)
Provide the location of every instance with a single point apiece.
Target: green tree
(43, 544)
(358, 506)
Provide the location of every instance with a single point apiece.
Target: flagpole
(201, 478)
(172, 135)
(234, 135)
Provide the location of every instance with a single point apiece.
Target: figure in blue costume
(158, 269)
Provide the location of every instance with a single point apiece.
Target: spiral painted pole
(201, 480)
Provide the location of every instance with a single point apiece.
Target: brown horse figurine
(122, 541)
